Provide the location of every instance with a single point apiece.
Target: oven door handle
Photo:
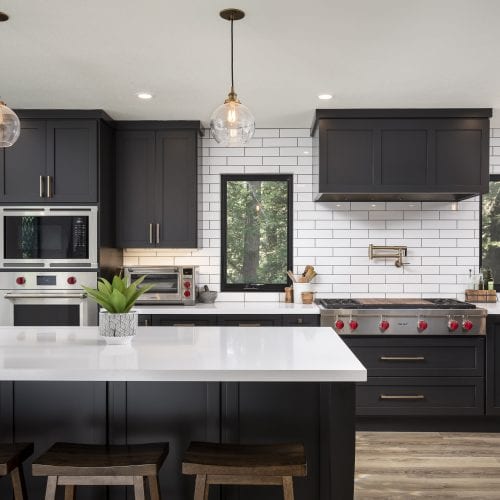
(11, 296)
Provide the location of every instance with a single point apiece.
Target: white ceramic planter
(118, 328)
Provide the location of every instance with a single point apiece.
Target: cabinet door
(183, 320)
(135, 153)
(461, 154)
(176, 189)
(493, 366)
(300, 320)
(22, 165)
(72, 161)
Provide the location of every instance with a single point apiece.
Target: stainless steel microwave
(171, 284)
(48, 237)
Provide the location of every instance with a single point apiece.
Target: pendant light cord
(232, 57)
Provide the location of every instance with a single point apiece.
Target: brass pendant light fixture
(232, 123)
(10, 127)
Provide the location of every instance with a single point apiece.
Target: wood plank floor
(399, 465)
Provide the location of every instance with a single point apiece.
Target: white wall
(442, 238)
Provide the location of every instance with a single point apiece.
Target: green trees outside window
(490, 229)
(256, 232)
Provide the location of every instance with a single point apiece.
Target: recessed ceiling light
(3, 17)
(324, 97)
(144, 95)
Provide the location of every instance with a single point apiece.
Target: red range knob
(187, 293)
(353, 324)
(384, 325)
(467, 325)
(422, 325)
(452, 325)
(71, 280)
(339, 324)
(20, 280)
(187, 284)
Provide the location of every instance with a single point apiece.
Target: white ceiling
(367, 53)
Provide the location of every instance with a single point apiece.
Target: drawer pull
(249, 324)
(402, 397)
(183, 324)
(402, 358)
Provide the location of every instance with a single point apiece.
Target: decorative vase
(118, 328)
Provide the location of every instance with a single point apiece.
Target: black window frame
(492, 178)
(254, 287)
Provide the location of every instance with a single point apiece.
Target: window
(256, 232)
(490, 230)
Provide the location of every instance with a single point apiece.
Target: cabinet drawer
(422, 356)
(421, 396)
(183, 320)
(301, 320)
(249, 320)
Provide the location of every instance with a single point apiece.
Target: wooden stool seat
(264, 465)
(12, 457)
(72, 464)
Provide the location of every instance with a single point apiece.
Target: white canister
(298, 288)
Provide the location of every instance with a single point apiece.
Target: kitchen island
(238, 384)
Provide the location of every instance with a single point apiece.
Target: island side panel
(338, 440)
(46, 412)
(274, 412)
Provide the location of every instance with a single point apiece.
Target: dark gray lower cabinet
(426, 376)
(493, 366)
(45, 412)
(184, 320)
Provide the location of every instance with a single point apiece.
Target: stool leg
(69, 492)
(154, 490)
(50, 492)
(18, 483)
(139, 488)
(201, 487)
(287, 487)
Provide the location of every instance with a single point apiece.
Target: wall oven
(171, 284)
(44, 298)
(48, 237)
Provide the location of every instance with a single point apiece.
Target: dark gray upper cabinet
(402, 154)
(23, 165)
(56, 159)
(156, 171)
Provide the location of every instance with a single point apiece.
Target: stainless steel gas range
(402, 317)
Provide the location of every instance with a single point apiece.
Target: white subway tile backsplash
(442, 240)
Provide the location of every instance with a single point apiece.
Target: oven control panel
(50, 280)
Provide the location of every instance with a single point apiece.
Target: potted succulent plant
(117, 320)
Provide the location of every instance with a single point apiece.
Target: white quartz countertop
(211, 354)
(231, 308)
(492, 308)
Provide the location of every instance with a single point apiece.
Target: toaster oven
(171, 284)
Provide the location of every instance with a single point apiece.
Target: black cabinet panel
(46, 412)
(22, 164)
(184, 320)
(176, 188)
(249, 320)
(72, 160)
(145, 320)
(350, 155)
(441, 396)
(419, 356)
(135, 180)
(174, 412)
(493, 366)
(274, 413)
(404, 157)
(300, 320)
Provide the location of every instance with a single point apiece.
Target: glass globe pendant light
(10, 127)
(232, 123)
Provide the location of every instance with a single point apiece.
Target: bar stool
(262, 465)
(71, 465)
(12, 457)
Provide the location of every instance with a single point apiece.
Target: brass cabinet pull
(249, 324)
(183, 324)
(146, 322)
(151, 234)
(402, 358)
(49, 186)
(41, 186)
(157, 234)
(300, 321)
(402, 397)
